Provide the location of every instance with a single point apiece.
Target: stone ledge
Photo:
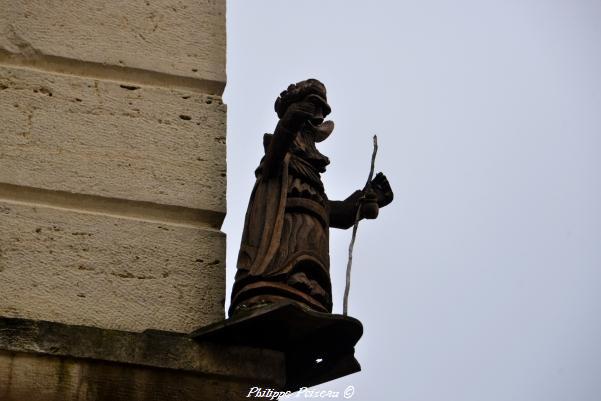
(39, 377)
(49, 361)
(152, 348)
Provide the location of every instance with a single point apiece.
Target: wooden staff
(357, 216)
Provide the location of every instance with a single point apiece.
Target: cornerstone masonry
(112, 195)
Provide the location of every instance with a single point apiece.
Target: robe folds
(285, 242)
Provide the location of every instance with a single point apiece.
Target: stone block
(110, 139)
(103, 271)
(49, 378)
(185, 38)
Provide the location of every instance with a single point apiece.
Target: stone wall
(46, 361)
(112, 162)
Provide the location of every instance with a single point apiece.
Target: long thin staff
(350, 248)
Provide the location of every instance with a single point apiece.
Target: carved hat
(299, 91)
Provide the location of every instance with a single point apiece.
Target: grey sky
(482, 280)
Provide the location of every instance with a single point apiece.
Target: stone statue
(284, 252)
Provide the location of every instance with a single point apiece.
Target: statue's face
(320, 129)
(318, 104)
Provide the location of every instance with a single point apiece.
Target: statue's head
(310, 90)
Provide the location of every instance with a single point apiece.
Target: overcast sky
(482, 280)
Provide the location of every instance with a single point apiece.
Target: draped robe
(284, 250)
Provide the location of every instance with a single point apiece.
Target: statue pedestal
(318, 347)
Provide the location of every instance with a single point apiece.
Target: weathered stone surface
(103, 271)
(171, 36)
(151, 348)
(48, 378)
(109, 139)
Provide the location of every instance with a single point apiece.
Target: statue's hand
(381, 187)
(369, 204)
(297, 113)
